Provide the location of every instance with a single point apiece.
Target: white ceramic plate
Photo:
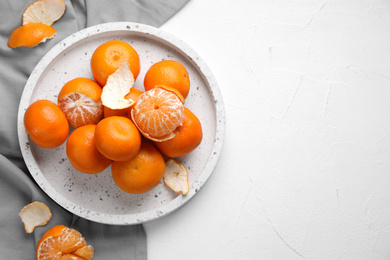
(96, 197)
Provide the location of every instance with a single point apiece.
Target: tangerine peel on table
(30, 35)
(34, 215)
(44, 11)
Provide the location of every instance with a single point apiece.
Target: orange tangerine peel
(119, 84)
(176, 176)
(34, 215)
(157, 113)
(44, 11)
(30, 35)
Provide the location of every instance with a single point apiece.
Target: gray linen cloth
(17, 188)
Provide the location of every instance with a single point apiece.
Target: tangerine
(46, 124)
(82, 152)
(117, 138)
(61, 242)
(141, 173)
(187, 137)
(79, 99)
(109, 56)
(158, 113)
(170, 73)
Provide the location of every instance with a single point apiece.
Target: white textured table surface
(305, 168)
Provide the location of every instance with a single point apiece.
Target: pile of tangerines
(137, 133)
(113, 124)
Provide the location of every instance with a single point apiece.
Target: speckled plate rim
(136, 218)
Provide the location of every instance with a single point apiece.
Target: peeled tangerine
(176, 176)
(80, 101)
(62, 243)
(117, 87)
(35, 214)
(44, 11)
(158, 113)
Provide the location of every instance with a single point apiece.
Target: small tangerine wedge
(187, 137)
(109, 56)
(80, 101)
(44, 11)
(34, 215)
(141, 173)
(133, 95)
(117, 87)
(82, 152)
(30, 35)
(117, 138)
(61, 242)
(176, 176)
(46, 124)
(170, 73)
(157, 114)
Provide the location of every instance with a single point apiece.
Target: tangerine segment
(30, 35)
(46, 124)
(157, 114)
(109, 56)
(72, 257)
(141, 173)
(176, 176)
(133, 95)
(187, 137)
(61, 242)
(117, 138)
(86, 252)
(170, 73)
(44, 11)
(82, 152)
(80, 109)
(81, 85)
